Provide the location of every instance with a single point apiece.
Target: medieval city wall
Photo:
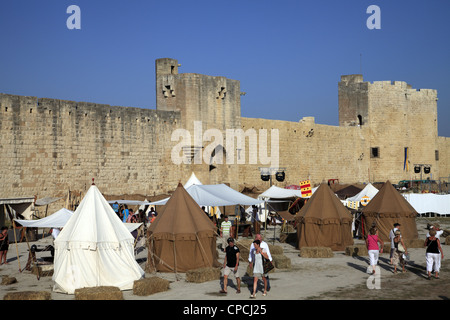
(310, 151)
(51, 146)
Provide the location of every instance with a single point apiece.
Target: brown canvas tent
(182, 237)
(385, 209)
(324, 221)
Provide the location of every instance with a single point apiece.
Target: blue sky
(288, 55)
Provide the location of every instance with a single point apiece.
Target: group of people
(399, 252)
(129, 216)
(259, 250)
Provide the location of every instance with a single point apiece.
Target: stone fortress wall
(50, 146)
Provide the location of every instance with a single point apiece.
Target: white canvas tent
(215, 195)
(368, 191)
(192, 180)
(94, 249)
(55, 220)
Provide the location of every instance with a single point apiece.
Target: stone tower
(393, 117)
(204, 102)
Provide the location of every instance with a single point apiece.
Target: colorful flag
(305, 187)
(405, 164)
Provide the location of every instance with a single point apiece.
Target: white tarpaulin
(94, 249)
(215, 195)
(429, 202)
(275, 192)
(55, 220)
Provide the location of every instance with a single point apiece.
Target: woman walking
(399, 250)
(258, 269)
(434, 254)
(373, 248)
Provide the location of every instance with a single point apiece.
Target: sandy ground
(340, 277)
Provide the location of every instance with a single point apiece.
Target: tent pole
(17, 249)
(203, 250)
(33, 256)
(175, 258)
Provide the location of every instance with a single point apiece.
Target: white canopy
(130, 202)
(94, 249)
(55, 220)
(369, 191)
(275, 192)
(215, 195)
(429, 202)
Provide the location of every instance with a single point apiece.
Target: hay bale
(42, 270)
(244, 248)
(316, 252)
(357, 250)
(203, 275)
(280, 261)
(446, 233)
(148, 286)
(7, 280)
(28, 295)
(275, 249)
(99, 293)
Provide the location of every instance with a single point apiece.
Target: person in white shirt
(251, 257)
(439, 232)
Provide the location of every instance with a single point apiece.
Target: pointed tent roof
(389, 207)
(389, 202)
(94, 223)
(182, 217)
(324, 207)
(192, 180)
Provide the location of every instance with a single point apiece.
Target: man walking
(230, 265)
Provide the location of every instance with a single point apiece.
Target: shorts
(228, 270)
(373, 257)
